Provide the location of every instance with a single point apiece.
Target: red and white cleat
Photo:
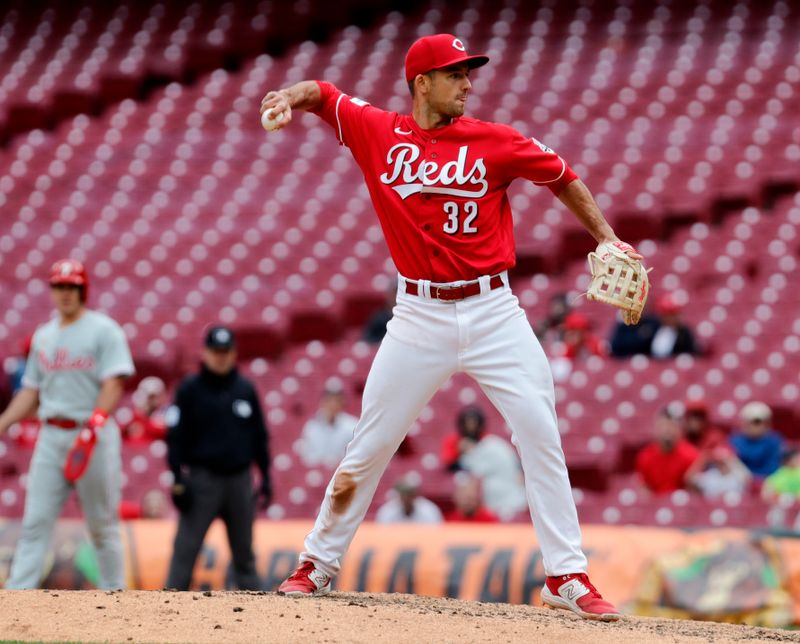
(576, 593)
(306, 581)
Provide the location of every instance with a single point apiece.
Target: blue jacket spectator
(757, 446)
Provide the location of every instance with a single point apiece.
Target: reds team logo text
(429, 177)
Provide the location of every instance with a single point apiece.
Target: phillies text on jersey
(63, 362)
(440, 194)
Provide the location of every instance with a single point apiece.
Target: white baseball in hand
(268, 122)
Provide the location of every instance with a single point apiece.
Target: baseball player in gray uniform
(73, 380)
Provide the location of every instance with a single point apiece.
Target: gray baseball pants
(99, 491)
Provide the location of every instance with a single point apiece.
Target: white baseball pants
(99, 492)
(488, 337)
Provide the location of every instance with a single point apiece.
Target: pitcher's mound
(220, 617)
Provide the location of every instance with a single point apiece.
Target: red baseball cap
(437, 51)
(576, 322)
(696, 406)
(667, 305)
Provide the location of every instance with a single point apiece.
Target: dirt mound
(221, 617)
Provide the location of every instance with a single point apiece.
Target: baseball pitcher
(438, 182)
(73, 380)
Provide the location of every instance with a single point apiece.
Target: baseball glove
(619, 280)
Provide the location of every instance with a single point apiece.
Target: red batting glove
(81, 451)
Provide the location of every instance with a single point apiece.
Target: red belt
(62, 423)
(455, 293)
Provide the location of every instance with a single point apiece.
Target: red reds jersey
(440, 194)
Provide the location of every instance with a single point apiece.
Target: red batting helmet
(70, 271)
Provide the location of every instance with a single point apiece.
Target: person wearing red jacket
(664, 463)
(579, 341)
(467, 499)
(147, 423)
(470, 427)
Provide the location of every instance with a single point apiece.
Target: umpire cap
(220, 338)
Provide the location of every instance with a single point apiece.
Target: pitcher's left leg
(511, 367)
(509, 364)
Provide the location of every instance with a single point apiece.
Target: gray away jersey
(68, 365)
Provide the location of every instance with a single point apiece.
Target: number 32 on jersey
(463, 217)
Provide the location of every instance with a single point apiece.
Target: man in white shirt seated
(326, 435)
(407, 506)
(495, 462)
(719, 472)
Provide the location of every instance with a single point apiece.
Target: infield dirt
(223, 617)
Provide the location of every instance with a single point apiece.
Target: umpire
(216, 430)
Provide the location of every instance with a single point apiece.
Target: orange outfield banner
(730, 575)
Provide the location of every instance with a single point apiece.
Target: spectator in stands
(631, 340)
(785, 481)
(697, 427)
(717, 472)
(672, 336)
(471, 426)
(577, 342)
(407, 506)
(147, 423)
(26, 431)
(467, 498)
(5, 390)
(15, 367)
(375, 328)
(551, 328)
(662, 465)
(152, 506)
(489, 458)
(578, 339)
(757, 446)
(326, 435)
(663, 335)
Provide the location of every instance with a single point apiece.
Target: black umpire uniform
(216, 431)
